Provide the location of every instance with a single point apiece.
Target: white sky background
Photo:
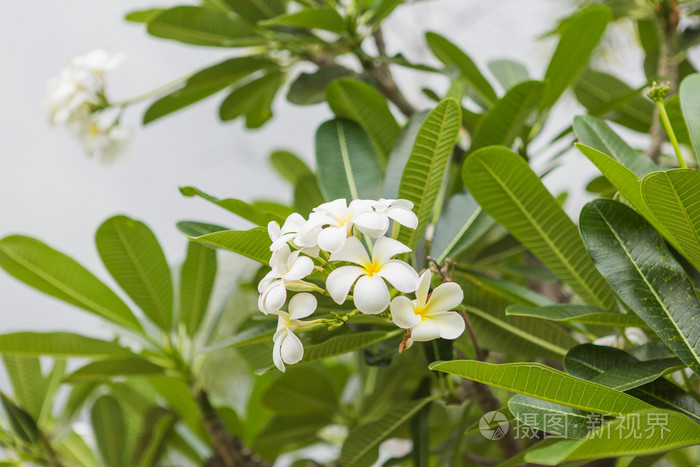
(50, 190)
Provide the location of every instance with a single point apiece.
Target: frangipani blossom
(289, 232)
(371, 294)
(336, 219)
(398, 210)
(100, 134)
(288, 348)
(428, 316)
(287, 266)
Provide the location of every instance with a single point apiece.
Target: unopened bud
(658, 92)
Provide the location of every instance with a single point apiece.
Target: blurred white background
(51, 190)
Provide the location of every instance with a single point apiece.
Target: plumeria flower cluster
(354, 250)
(76, 99)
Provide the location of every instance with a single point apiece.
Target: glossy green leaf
(240, 208)
(49, 271)
(675, 116)
(673, 197)
(142, 16)
(578, 39)
(289, 166)
(105, 369)
(310, 88)
(543, 382)
(158, 425)
(348, 166)
(506, 119)
(327, 19)
(196, 229)
(301, 391)
(508, 73)
(505, 186)
(616, 439)
(253, 335)
(203, 26)
(689, 89)
(58, 345)
(398, 157)
(252, 100)
(76, 451)
(425, 169)
(361, 446)
(307, 194)
(354, 100)
(253, 243)
(554, 419)
(461, 224)
(648, 29)
(607, 97)
(204, 83)
(451, 55)
(29, 385)
(595, 133)
(108, 423)
(132, 255)
(571, 313)
(511, 291)
(256, 10)
(345, 343)
(636, 262)
(633, 374)
(196, 283)
(21, 422)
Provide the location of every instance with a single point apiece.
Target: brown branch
(667, 18)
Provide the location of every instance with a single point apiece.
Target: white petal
(292, 349)
(399, 274)
(337, 207)
(451, 324)
(403, 216)
(340, 281)
(282, 322)
(302, 305)
(273, 298)
(273, 230)
(402, 203)
(308, 237)
(371, 295)
(280, 241)
(279, 259)
(426, 330)
(353, 251)
(445, 297)
(386, 248)
(294, 223)
(358, 206)
(302, 267)
(423, 287)
(373, 224)
(403, 312)
(332, 238)
(310, 251)
(277, 353)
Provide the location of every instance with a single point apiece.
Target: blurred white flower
(98, 61)
(100, 134)
(428, 316)
(371, 294)
(288, 348)
(335, 220)
(287, 266)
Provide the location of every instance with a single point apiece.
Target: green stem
(151, 93)
(671, 135)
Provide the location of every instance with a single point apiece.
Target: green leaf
(108, 425)
(571, 313)
(424, 172)
(76, 451)
(310, 88)
(105, 369)
(398, 157)
(289, 166)
(675, 116)
(158, 426)
(55, 274)
(673, 197)
(134, 258)
(578, 39)
(607, 97)
(301, 391)
(21, 422)
(252, 100)
(451, 55)
(196, 229)
(281, 431)
(648, 30)
(689, 90)
(256, 10)
(196, 283)
(636, 262)
(618, 439)
(345, 343)
(348, 166)
(462, 223)
(204, 83)
(595, 133)
(504, 185)
(634, 374)
(253, 243)
(236, 206)
(506, 119)
(28, 383)
(543, 382)
(508, 73)
(553, 419)
(253, 335)
(142, 16)
(58, 345)
(354, 100)
(511, 291)
(327, 19)
(307, 194)
(203, 26)
(362, 444)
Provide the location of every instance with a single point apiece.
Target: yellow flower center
(372, 268)
(94, 129)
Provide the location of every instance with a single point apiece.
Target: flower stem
(671, 135)
(151, 93)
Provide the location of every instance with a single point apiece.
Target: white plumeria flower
(428, 316)
(398, 210)
(288, 348)
(290, 230)
(98, 61)
(100, 134)
(287, 266)
(336, 219)
(371, 294)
